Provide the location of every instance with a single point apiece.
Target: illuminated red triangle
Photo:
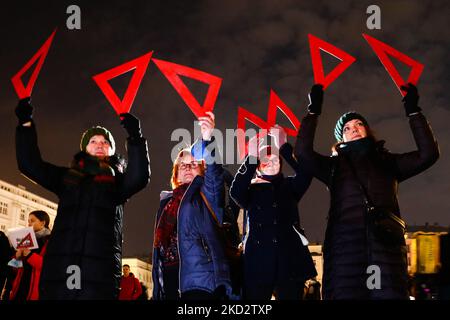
(41, 54)
(275, 104)
(26, 242)
(244, 114)
(172, 71)
(381, 49)
(315, 45)
(140, 65)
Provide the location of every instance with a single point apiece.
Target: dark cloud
(254, 46)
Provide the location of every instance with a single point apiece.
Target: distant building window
(3, 208)
(22, 216)
(3, 227)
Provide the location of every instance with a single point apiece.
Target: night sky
(254, 46)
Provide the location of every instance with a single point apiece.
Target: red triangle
(41, 54)
(140, 65)
(381, 49)
(26, 242)
(275, 104)
(244, 114)
(315, 45)
(172, 71)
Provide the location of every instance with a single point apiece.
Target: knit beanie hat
(346, 117)
(89, 133)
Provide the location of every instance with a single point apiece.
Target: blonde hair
(174, 179)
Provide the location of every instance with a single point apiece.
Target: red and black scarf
(167, 226)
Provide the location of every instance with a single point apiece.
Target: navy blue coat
(273, 248)
(202, 263)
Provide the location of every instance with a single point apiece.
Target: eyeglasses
(192, 165)
(265, 161)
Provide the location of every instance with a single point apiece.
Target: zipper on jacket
(178, 238)
(206, 249)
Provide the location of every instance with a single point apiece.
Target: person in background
(130, 287)
(26, 282)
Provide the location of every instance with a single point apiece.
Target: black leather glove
(131, 124)
(24, 111)
(316, 99)
(411, 99)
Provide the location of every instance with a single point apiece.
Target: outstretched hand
(24, 111)
(315, 99)
(131, 124)
(207, 125)
(411, 99)
(279, 135)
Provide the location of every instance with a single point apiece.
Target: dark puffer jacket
(350, 246)
(274, 252)
(87, 231)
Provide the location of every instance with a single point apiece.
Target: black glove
(316, 99)
(131, 124)
(24, 111)
(411, 99)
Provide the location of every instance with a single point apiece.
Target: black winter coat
(274, 252)
(87, 231)
(350, 246)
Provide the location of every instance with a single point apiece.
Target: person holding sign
(83, 259)
(364, 248)
(276, 257)
(26, 283)
(188, 256)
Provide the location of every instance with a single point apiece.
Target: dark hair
(126, 265)
(42, 216)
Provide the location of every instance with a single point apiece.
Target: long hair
(174, 179)
(42, 216)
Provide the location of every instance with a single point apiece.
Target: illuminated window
(3, 208)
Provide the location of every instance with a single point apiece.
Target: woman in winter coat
(363, 174)
(276, 257)
(83, 259)
(188, 257)
(26, 283)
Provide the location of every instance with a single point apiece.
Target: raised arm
(316, 164)
(137, 174)
(207, 149)
(28, 155)
(412, 163)
(301, 181)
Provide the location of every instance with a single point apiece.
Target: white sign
(21, 238)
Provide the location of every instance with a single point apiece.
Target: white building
(16, 203)
(141, 270)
